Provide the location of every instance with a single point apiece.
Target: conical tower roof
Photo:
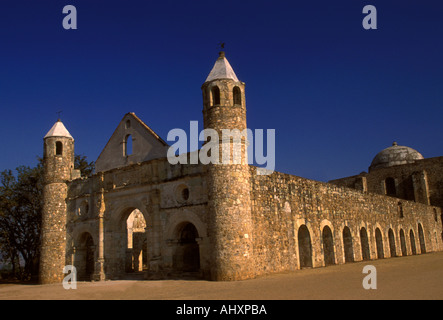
(221, 70)
(58, 130)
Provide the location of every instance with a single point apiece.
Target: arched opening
(365, 252)
(347, 245)
(421, 238)
(85, 257)
(328, 246)
(404, 251)
(237, 95)
(59, 148)
(187, 253)
(129, 234)
(83, 209)
(392, 247)
(215, 92)
(379, 244)
(390, 187)
(127, 146)
(136, 257)
(304, 247)
(412, 238)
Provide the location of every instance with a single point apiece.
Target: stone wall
(52, 255)
(169, 196)
(421, 181)
(58, 160)
(293, 216)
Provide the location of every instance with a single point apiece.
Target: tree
(86, 168)
(20, 218)
(21, 212)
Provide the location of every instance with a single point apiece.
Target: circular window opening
(182, 193)
(185, 194)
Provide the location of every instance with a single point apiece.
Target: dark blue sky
(336, 94)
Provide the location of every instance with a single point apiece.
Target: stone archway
(412, 238)
(421, 237)
(347, 245)
(328, 246)
(392, 247)
(129, 243)
(136, 258)
(365, 251)
(85, 257)
(404, 251)
(379, 244)
(186, 257)
(304, 247)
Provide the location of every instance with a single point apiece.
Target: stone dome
(395, 155)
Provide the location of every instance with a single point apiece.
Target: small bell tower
(230, 221)
(58, 161)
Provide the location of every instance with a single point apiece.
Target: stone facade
(421, 181)
(224, 221)
(58, 158)
(303, 223)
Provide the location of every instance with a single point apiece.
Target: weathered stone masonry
(282, 204)
(140, 215)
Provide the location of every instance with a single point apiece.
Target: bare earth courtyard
(411, 277)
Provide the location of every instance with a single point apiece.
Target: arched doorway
(392, 247)
(379, 244)
(85, 257)
(365, 252)
(328, 246)
(347, 245)
(136, 258)
(126, 257)
(304, 247)
(412, 237)
(404, 251)
(187, 253)
(421, 237)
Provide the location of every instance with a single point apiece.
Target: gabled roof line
(140, 122)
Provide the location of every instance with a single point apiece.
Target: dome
(395, 155)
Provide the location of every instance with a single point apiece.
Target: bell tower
(58, 161)
(230, 221)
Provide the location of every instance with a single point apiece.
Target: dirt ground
(412, 277)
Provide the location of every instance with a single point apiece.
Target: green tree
(20, 215)
(86, 168)
(20, 218)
